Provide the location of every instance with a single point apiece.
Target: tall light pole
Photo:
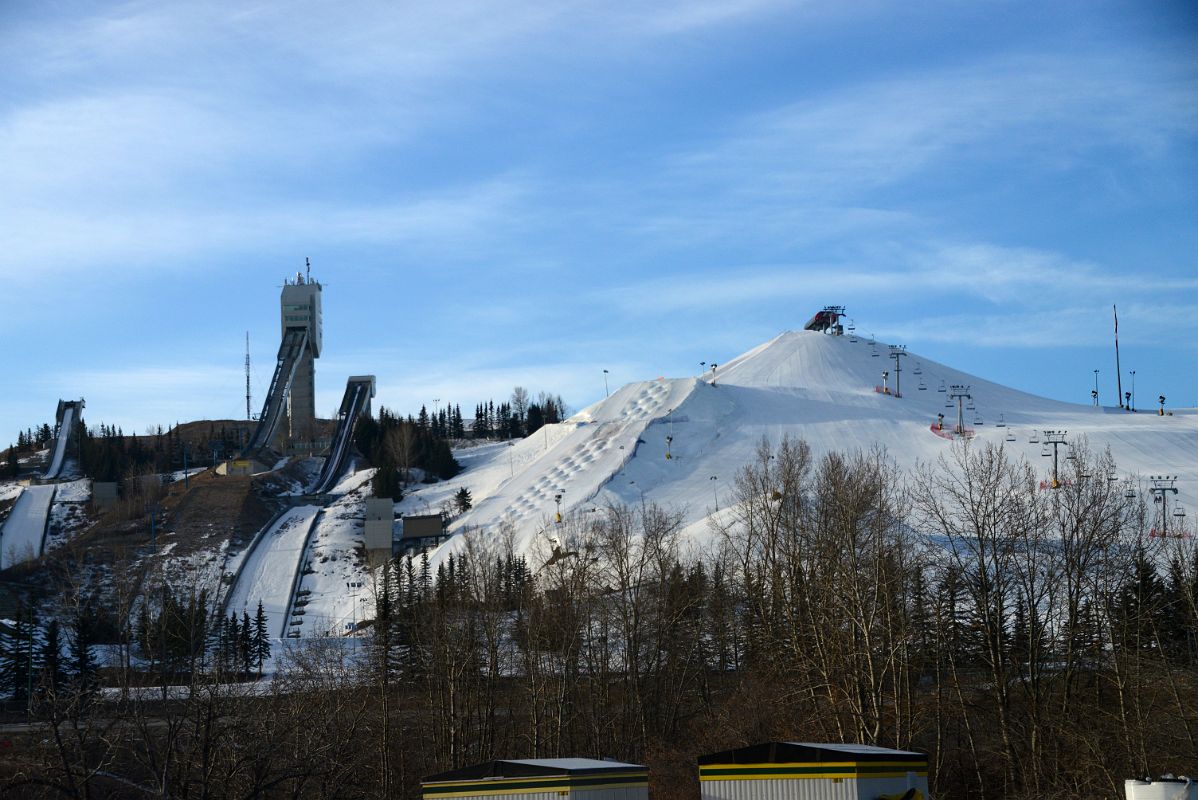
(1096, 388)
(715, 492)
(606, 393)
(1133, 390)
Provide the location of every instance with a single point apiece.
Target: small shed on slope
(542, 779)
(813, 771)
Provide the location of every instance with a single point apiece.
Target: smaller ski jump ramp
(24, 533)
(270, 568)
(69, 413)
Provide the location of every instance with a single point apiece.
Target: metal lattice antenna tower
(897, 352)
(960, 394)
(1054, 439)
(247, 376)
(1163, 486)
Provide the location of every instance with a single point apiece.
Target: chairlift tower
(960, 394)
(897, 352)
(1054, 439)
(1163, 486)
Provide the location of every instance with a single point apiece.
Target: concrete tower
(300, 308)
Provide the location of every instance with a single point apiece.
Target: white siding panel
(800, 789)
(613, 793)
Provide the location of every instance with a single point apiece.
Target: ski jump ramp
(66, 424)
(295, 343)
(358, 392)
(24, 533)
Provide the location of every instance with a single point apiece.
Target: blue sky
(503, 193)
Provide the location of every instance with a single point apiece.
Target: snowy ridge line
(297, 575)
(245, 559)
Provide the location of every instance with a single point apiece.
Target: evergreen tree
(261, 638)
(462, 500)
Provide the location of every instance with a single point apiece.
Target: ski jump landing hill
(679, 443)
(23, 536)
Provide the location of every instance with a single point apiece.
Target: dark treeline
(396, 446)
(1037, 644)
(519, 416)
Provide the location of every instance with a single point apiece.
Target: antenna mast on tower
(247, 375)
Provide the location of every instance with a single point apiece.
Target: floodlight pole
(1162, 487)
(1056, 439)
(897, 352)
(1096, 388)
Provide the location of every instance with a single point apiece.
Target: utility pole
(1095, 392)
(897, 352)
(1162, 487)
(960, 394)
(606, 393)
(1054, 439)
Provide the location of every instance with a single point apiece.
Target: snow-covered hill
(809, 385)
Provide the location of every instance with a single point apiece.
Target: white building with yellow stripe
(542, 779)
(810, 771)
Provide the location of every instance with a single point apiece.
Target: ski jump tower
(292, 393)
(299, 309)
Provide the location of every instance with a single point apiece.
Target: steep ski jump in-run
(356, 402)
(66, 423)
(291, 351)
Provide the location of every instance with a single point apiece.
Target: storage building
(543, 779)
(809, 771)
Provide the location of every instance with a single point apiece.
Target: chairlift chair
(1010, 435)
(1072, 456)
(1045, 451)
(1002, 421)
(942, 387)
(1034, 438)
(969, 406)
(852, 329)
(977, 420)
(948, 403)
(923, 387)
(918, 368)
(1179, 510)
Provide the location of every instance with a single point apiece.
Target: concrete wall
(103, 495)
(380, 523)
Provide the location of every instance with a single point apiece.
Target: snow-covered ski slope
(809, 385)
(24, 531)
(270, 568)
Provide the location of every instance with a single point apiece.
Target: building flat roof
(534, 767)
(810, 752)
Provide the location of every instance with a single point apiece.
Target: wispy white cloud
(998, 275)
(1051, 110)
